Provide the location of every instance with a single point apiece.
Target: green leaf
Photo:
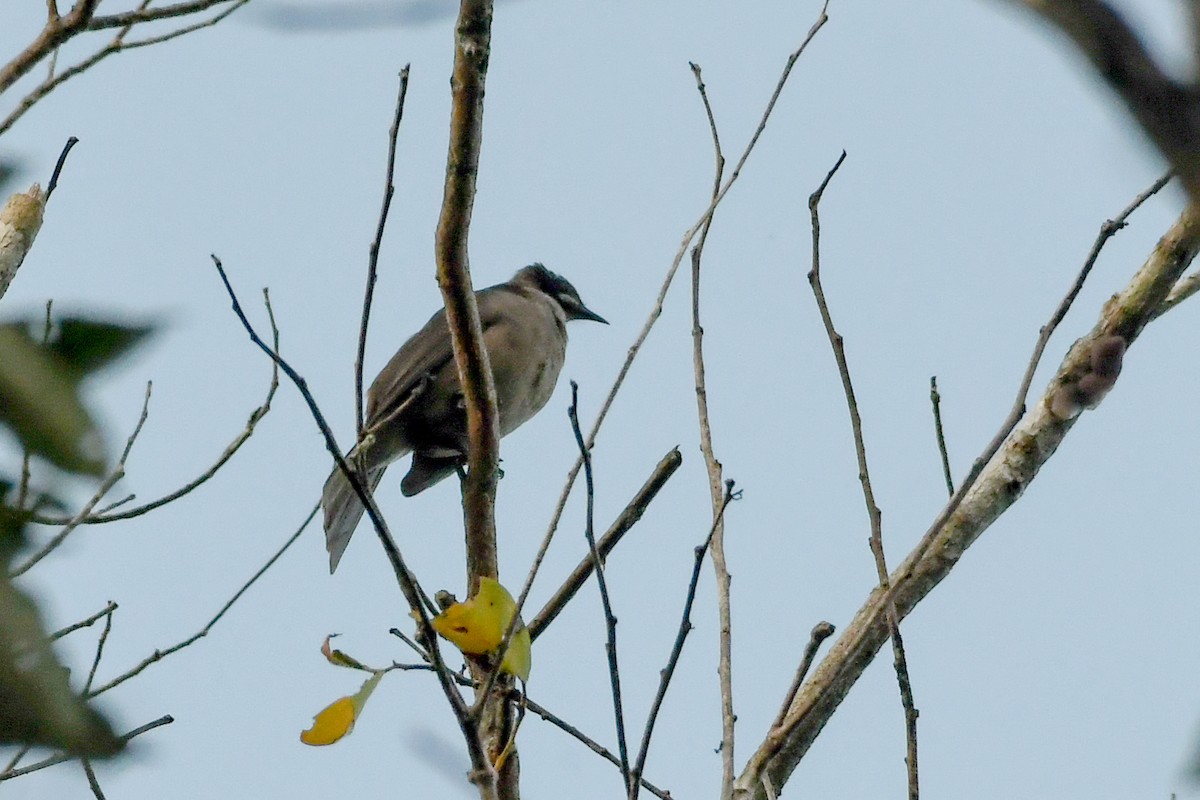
(87, 345)
(37, 705)
(39, 400)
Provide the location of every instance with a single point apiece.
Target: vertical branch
(713, 467)
(373, 253)
(935, 400)
(864, 475)
(610, 621)
(472, 46)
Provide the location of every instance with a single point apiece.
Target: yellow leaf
(519, 658)
(337, 719)
(477, 627)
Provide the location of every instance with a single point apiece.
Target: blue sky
(1057, 660)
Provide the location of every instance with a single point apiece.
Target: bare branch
(115, 475)
(628, 517)
(58, 30)
(820, 632)
(153, 14)
(935, 400)
(373, 254)
(86, 622)
(713, 468)
(610, 621)
(864, 475)
(591, 744)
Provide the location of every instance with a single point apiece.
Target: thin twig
(57, 33)
(100, 648)
(86, 622)
(150, 15)
(632, 512)
(22, 751)
(935, 400)
(93, 782)
(1107, 231)
(159, 655)
(373, 254)
(115, 475)
(186, 29)
(713, 467)
(610, 621)
(591, 744)
(685, 627)
(107, 514)
(59, 758)
(864, 475)
(669, 278)
(820, 632)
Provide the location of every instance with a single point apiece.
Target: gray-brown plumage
(416, 405)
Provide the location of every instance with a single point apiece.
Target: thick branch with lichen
(999, 485)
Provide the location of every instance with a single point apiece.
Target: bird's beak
(583, 312)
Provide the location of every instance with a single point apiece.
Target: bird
(415, 405)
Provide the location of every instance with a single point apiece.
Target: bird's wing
(425, 353)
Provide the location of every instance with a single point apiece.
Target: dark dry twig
(610, 621)
(935, 400)
(864, 475)
(58, 166)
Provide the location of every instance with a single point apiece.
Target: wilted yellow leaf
(340, 659)
(477, 626)
(337, 719)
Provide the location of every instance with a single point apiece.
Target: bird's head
(558, 289)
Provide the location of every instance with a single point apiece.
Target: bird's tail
(343, 510)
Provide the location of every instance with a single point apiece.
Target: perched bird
(416, 403)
